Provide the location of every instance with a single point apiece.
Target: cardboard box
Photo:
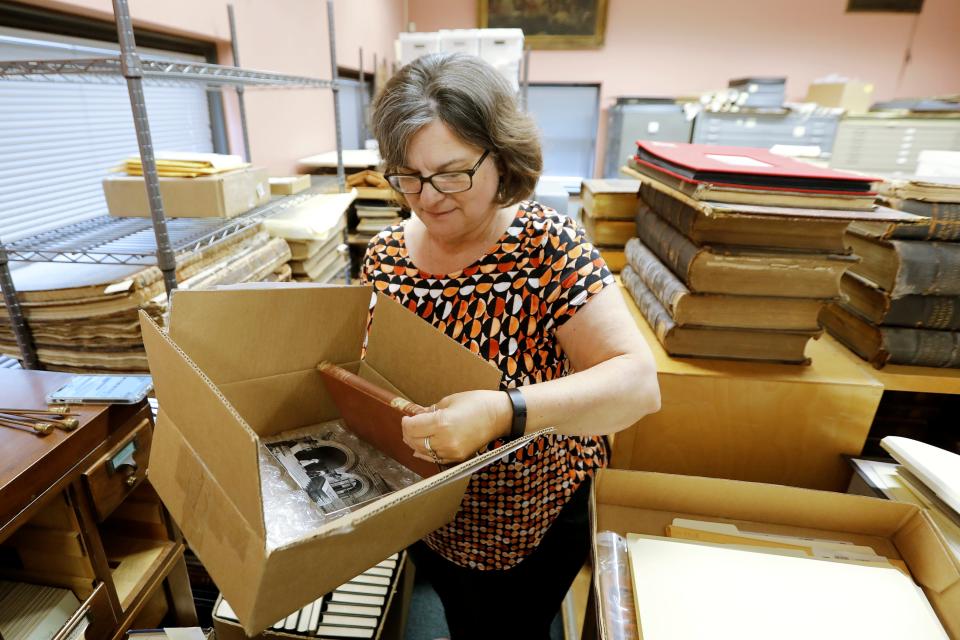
(223, 195)
(289, 185)
(852, 95)
(392, 621)
(646, 502)
(240, 363)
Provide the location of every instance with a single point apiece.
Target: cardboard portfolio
(240, 363)
(643, 502)
(222, 195)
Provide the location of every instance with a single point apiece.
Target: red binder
(746, 168)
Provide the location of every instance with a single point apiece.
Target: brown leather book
(374, 414)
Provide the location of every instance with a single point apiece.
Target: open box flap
(750, 501)
(230, 550)
(242, 333)
(206, 421)
(423, 363)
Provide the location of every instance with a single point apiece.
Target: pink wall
(684, 47)
(287, 36)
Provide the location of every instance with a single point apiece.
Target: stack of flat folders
(32, 612)
(355, 609)
(315, 231)
(718, 580)
(738, 249)
(901, 302)
(85, 317)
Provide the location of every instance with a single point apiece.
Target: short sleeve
(369, 263)
(574, 270)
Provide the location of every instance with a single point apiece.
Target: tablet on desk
(102, 389)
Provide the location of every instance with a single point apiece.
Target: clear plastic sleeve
(616, 589)
(290, 511)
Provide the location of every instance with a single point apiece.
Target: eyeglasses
(445, 182)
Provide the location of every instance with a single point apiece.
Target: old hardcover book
(942, 222)
(921, 312)
(610, 198)
(908, 267)
(711, 342)
(609, 232)
(614, 257)
(755, 225)
(708, 310)
(374, 414)
(746, 167)
(756, 196)
(927, 188)
(891, 345)
(741, 270)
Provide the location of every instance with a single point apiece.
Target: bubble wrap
(288, 512)
(616, 590)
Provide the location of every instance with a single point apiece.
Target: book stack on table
(901, 302)
(738, 249)
(609, 209)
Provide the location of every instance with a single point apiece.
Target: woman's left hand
(459, 425)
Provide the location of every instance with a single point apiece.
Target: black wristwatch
(518, 425)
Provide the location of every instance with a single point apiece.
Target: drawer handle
(123, 459)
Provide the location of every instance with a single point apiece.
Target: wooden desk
(75, 512)
(783, 424)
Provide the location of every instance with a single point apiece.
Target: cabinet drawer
(95, 614)
(118, 473)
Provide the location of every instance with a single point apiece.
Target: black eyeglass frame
(469, 172)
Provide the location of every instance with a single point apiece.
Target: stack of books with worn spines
(609, 209)
(738, 250)
(377, 207)
(84, 317)
(356, 609)
(901, 302)
(315, 230)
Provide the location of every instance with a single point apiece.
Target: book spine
(680, 216)
(927, 268)
(921, 347)
(349, 378)
(925, 312)
(651, 309)
(944, 221)
(657, 278)
(675, 250)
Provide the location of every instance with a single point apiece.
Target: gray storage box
(765, 129)
(636, 118)
(881, 143)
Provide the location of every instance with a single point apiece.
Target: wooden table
(75, 512)
(783, 424)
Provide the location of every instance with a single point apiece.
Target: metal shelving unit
(108, 240)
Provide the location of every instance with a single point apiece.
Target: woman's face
(450, 217)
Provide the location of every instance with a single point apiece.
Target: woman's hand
(459, 425)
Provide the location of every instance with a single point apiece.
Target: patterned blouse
(506, 308)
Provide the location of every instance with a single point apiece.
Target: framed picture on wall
(549, 24)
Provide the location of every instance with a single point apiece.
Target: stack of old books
(739, 249)
(315, 231)
(609, 209)
(84, 317)
(901, 302)
(376, 208)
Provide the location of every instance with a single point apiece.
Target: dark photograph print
(549, 24)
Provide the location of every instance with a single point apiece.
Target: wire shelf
(101, 70)
(109, 240)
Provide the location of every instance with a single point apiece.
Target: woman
(519, 285)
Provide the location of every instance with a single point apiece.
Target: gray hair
(475, 101)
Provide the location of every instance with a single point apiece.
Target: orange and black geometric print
(506, 307)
